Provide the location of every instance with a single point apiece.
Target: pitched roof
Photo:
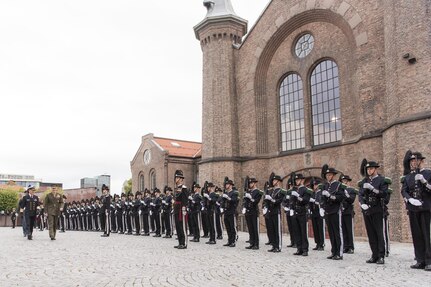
(179, 147)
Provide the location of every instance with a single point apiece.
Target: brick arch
(351, 28)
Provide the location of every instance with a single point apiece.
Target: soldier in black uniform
(253, 196)
(274, 205)
(299, 201)
(180, 212)
(137, 212)
(156, 208)
(317, 216)
(204, 212)
(268, 190)
(195, 209)
(63, 217)
(416, 191)
(332, 196)
(146, 212)
(373, 190)
(348, 214)
(106, 209)
(129, 213)
(286, 207)
(211, 197)
(29, 204)
(230, 203)
(219, 212)
(167, 210)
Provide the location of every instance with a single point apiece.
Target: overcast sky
(81, 81)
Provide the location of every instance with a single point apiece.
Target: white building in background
(96, 182)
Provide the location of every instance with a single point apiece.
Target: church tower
(219, 33)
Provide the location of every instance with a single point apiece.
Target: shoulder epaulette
(402, 178)
(184, 186)
(388, 180)
(260, 191)
(360, 183)
(390, 190)
(320, 185)
(355, 190)
(343, 185)
(309, 191)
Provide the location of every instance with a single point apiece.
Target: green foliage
(127, 186)
(8, 199)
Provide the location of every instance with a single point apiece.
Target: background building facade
(315, 82)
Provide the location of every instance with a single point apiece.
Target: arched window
(152, 179)
(292, 113)
(141, 182)
(325, 103)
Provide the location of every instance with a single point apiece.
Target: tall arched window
(325, 101)
(292, 113)
(141, 182)
(152, 179)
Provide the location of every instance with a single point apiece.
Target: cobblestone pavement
(85, 259)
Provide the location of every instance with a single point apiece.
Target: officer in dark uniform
(156, 205)
(195, 209)
(29, 204)
(167, 209)
(373, 190)
(230, 203)
(136, 210)
(274, 204)
(348, 214)
(268, 190)
(246, 207)
(416, 191)
(253, 196)
(63, 215)
(146, 212)
(317, 216)
(286, 207)
(332, 196)
(211, 197)
(204, 212)
(106, 209)
(219, 213)
(299, 201)
(180, 212)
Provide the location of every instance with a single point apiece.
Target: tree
(8, 199)
(127, 186)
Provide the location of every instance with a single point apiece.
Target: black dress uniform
(252, 210)
(204, 214)
(286, 206)
(156, 208)
(230, 205)
(373, 199)
(30, 203)
(317, 219)
(195, 209)
(137, 213)
(416, 191)
(332, 206)
(265, 208)
(106, 210)
(218, 214)
(274, 205)
(299, 201)
(212, 200)
(386, 222)
(348, 214)
(167, 210)
(146, 214)
(180, 213)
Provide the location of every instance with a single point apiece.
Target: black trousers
(113, 221)
(376, 236)
(129, 222)
(62, 222)
(194, 221)
(96, 221)
(247, 222)
(219, 227)
(254, 229)
(289, 227)
(301, 238)
(229, 222)
(137, 223)
(386, 231)
(152, 222)
(211, 222)
(318, 231)
(30, 220)
(146, 223)
(102, 220)
(13, 223)
(274, 222)
(168, 224)
(119, 219)
(180, 229)
(157, 222)
(347, 225)
(269, 229)
(205, 223)
(90, 222)
(107, 222)
(420, 227)
(335, 233)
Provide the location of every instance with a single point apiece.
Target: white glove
(206, 195)
(312, 200)
(294, 193)
(326, 193)
(286, 209)
(268, 197)
(152, 204)
(225, 195)
(287, 196)
(190, 198)
(364, 206)
(346, 193)
(221, 210)
(151, 213)
(218, 203)
(264, 211)
(140, 211)
(368, 186)
(415, 202)
(291, 212)
(321, 212)
(164, 201)
(193, 201)
(243, 211)
(421, 178)
(248, 195)
(203, 208)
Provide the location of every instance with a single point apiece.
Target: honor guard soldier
(204, 211)
(274, 204)
(156, 206)
(29, 205)
(195, 209)
(64, 217)
(299, 201)
(254, 195)
(268, 190)
(348, 214)
(167, 210)
(137, 212)
(332, 196)
(106, 209)
(246, 207)
(230, 202)
(146, 212)
(317, 215)
(416, 191)
(211, 200)
(219, 212)
(373, 189)
(286, 207)
(180, 212)
(118, 213)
